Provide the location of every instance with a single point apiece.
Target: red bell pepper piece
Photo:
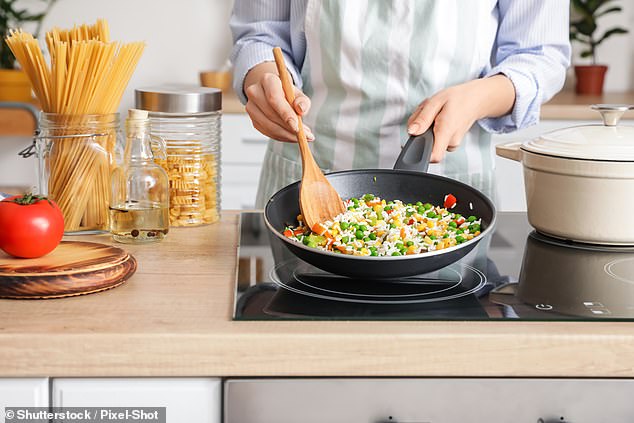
(450, 201)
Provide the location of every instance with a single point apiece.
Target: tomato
(30, 226)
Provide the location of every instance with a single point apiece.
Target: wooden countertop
(173, 318)
(568, 105)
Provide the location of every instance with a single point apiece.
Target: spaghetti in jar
(76, 155)
(188, 120)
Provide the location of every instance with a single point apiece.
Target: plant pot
(590, 79)
(15, 86)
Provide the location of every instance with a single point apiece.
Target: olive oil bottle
(139, 200)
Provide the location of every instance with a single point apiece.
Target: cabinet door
(185, 399)
(23, 392)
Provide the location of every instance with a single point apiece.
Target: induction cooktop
(514, 274)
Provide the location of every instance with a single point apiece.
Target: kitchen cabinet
(242, 154)
(23, 392)
(186, 399)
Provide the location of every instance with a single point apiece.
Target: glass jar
(188, 119)
(75, 158)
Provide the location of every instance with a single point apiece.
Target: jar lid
(607, 142)
(178, 99)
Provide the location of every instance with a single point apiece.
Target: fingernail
(310, 136)
(293, 124)
(413, 129)
(301, 106)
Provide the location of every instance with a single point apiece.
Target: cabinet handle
(259, 141)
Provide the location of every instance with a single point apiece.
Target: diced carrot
(403, 233)
(319, 229)
(288, 233)
(298, 231)
(341, 248)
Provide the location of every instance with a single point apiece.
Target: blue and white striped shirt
(531, 48)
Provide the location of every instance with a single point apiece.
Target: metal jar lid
(182, 99)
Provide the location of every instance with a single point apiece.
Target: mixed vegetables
(375, 227)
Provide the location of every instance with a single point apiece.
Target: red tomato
(30, 226)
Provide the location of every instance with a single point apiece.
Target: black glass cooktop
(515, 274)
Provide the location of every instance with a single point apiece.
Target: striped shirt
(531, 48)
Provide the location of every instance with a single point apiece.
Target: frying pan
(409, 183)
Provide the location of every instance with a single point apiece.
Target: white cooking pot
(579, 181)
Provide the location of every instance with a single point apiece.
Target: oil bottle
(139, 198)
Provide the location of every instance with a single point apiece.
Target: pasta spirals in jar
(188, 120)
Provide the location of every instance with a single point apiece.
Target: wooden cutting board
(73, 268)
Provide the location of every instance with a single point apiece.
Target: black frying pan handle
(416, 153)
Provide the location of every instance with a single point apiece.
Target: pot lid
(607, 142)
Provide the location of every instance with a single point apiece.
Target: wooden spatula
(318, 200)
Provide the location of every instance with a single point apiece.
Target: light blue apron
(369, 64)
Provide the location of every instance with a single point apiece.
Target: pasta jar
(188, 120)
(75, 158)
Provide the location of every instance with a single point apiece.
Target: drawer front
(239, 186)
(241, 142)
(185, 399)
(429, 400)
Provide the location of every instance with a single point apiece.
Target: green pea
(344, 225)
(432, 237)
(453, 224)
(399, 245)
(445, 236)
(366, 239)
(358, 234)
(368, 197)
(432, 215)
(345, 239)
(471, 219)
(460, 239)
(459, 231)
(374, 254)
(372, 236)
(409, 213)
(418, 204)
(428, 206)
(392, 225)
(474, 228)
(387, 208)
(396, 253)
(421, 210)
(305, 240)
(363, 228)
(409, 243)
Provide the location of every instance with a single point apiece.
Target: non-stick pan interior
(406, 186)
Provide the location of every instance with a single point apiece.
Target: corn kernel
(420, 228)
(428, 240)
(365, 252)
(430, 224)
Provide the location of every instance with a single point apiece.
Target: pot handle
(416, 152)
(510, 150)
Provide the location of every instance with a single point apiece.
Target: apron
(369, 64)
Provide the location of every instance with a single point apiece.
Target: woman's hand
(267, 107)
(455, 109)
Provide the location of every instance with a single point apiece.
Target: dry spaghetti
(79, 91)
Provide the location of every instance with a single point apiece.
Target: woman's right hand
(267, 107)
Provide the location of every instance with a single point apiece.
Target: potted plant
(14, 84)
(583, 28)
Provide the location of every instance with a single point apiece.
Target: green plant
(13, 17)
(583, 28)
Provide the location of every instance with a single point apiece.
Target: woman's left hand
(454, 110)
